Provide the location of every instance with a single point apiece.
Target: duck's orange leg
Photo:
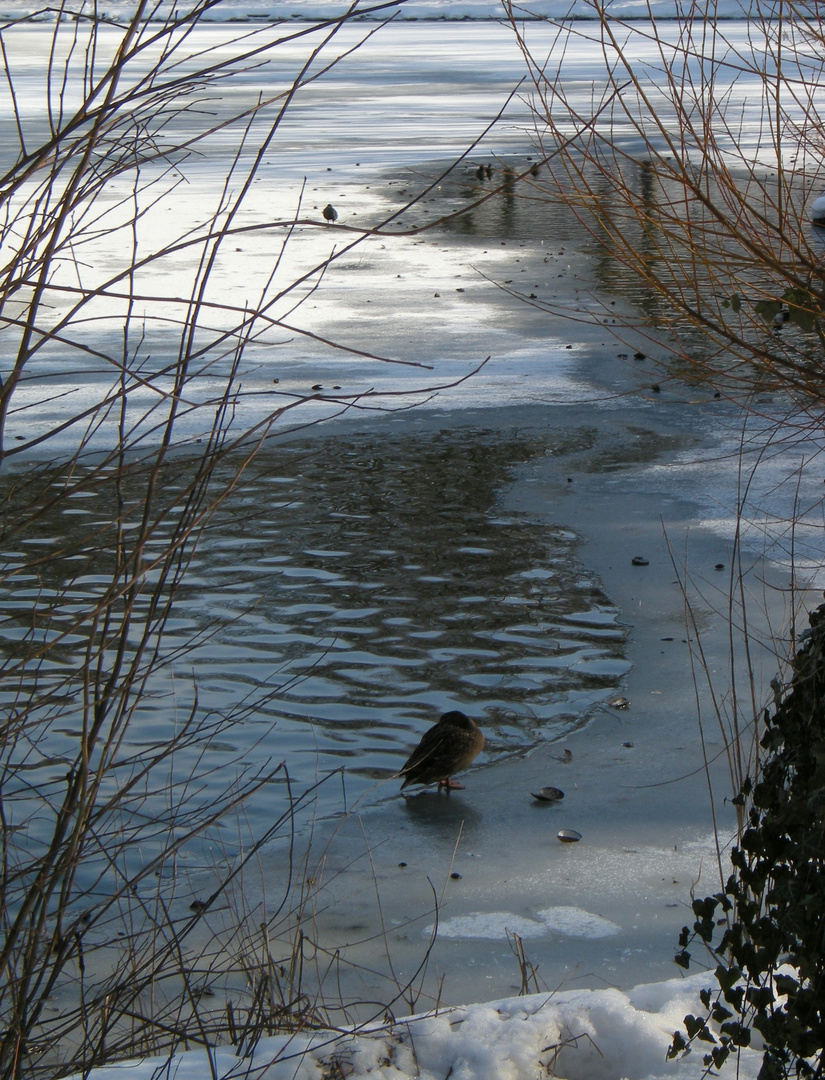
(450, 785)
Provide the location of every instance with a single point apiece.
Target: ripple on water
(388, 587)
(466, 606)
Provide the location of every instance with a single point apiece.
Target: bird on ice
(330, 213)
(445, 749)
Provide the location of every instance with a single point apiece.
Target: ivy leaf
(720, 1013)
(727, 977)
(785, 984)
(740, 1034)
(719, 1055)
(801, 308)
(705, 909)
(768, 309)
(694, 1025)
(678, 1046)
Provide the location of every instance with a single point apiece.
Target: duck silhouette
(445, 749)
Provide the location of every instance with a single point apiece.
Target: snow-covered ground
(578, 1035)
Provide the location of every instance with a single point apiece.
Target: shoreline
(607, 910)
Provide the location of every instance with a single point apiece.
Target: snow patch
(575, 1035)
(494, 925)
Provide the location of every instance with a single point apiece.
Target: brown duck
(448, 747)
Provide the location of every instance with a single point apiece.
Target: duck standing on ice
(445, 749)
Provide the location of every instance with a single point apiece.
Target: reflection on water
(383, 574)
(349, 591)
(523, 203)
(520, 203)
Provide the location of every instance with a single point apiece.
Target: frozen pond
(374, 131)
(366, 575)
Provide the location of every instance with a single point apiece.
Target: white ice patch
(494, 925)
(576, 922)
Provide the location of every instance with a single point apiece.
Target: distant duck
(480, 172)
(818, 211)
(330, 213)
(446, 748)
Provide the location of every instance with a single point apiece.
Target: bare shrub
(124, 423)
(693, 158)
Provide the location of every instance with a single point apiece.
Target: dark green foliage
(734, 302)
(796, 305)
(772, 910)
